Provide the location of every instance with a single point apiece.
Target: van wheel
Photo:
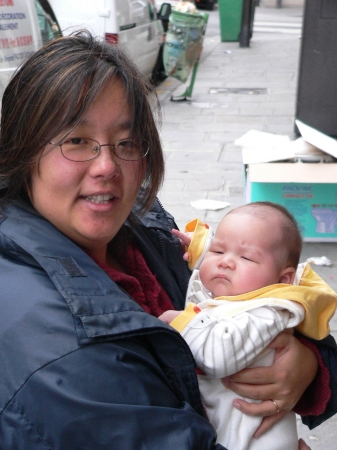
(209, 5)
(158, 72)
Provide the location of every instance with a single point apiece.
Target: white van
(24, 26)
(131, 23)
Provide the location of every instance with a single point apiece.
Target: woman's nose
(105, 164)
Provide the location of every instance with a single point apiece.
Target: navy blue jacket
(82, 365)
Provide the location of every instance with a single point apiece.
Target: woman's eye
(126, 143)
(74, 141)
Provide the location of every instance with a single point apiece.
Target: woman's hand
(169, 315)
(284, 382)
(302, 445)
(185, 240)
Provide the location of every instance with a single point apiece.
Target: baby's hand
(169, 315)
(185, 239)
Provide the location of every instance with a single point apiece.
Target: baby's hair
(291, 236)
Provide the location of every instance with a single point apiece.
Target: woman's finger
(293, 369)
(302, 445)
(262, 385)
(266, 408)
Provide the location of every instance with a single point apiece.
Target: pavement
(198, 135)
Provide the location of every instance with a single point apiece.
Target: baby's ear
(287, 275)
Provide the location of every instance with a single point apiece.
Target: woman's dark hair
(52, 91)
(290, 237)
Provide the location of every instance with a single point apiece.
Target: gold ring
(278, 409)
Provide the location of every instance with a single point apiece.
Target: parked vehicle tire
(210, 5)
(158, 73)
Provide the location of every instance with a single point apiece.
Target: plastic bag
(183, 43)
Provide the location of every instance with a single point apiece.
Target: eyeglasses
(81, 149)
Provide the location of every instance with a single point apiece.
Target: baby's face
(244, 255)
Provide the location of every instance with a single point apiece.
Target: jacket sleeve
(319, 402)
(78, 402)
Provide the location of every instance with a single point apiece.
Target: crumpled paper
(209, 204)
(319, 261)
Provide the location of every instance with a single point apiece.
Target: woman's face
(89, 201)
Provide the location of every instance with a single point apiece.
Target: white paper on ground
(320, 261)
(213, 205)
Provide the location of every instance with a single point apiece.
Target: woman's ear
(287, 275)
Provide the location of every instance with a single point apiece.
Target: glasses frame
(99, 146)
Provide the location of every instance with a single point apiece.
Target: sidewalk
(198, 136)
(201, 159)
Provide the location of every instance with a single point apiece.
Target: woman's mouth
(100, 199)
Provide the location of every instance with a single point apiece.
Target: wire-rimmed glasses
(80, 149)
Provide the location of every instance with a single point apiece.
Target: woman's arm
(323, 390)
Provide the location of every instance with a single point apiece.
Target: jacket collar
(99, 307)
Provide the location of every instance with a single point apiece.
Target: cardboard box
(306, 188)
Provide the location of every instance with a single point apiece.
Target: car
(207, 4)
(133, 24)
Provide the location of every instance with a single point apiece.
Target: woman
(85, 362)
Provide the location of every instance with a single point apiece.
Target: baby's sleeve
(201, 240)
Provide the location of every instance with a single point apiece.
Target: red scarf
(139, 282)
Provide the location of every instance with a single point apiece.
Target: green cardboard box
(307, 189)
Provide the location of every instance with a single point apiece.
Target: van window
(152, 9)
(47, 21)
(139, 11)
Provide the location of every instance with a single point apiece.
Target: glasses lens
(129, 150)
(79, 149)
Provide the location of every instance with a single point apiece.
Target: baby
(248, 289)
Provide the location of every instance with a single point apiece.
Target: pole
(246, 24)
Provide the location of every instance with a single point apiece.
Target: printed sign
(19, 35)
(314, 205)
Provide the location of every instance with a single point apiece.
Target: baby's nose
(227, 260)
